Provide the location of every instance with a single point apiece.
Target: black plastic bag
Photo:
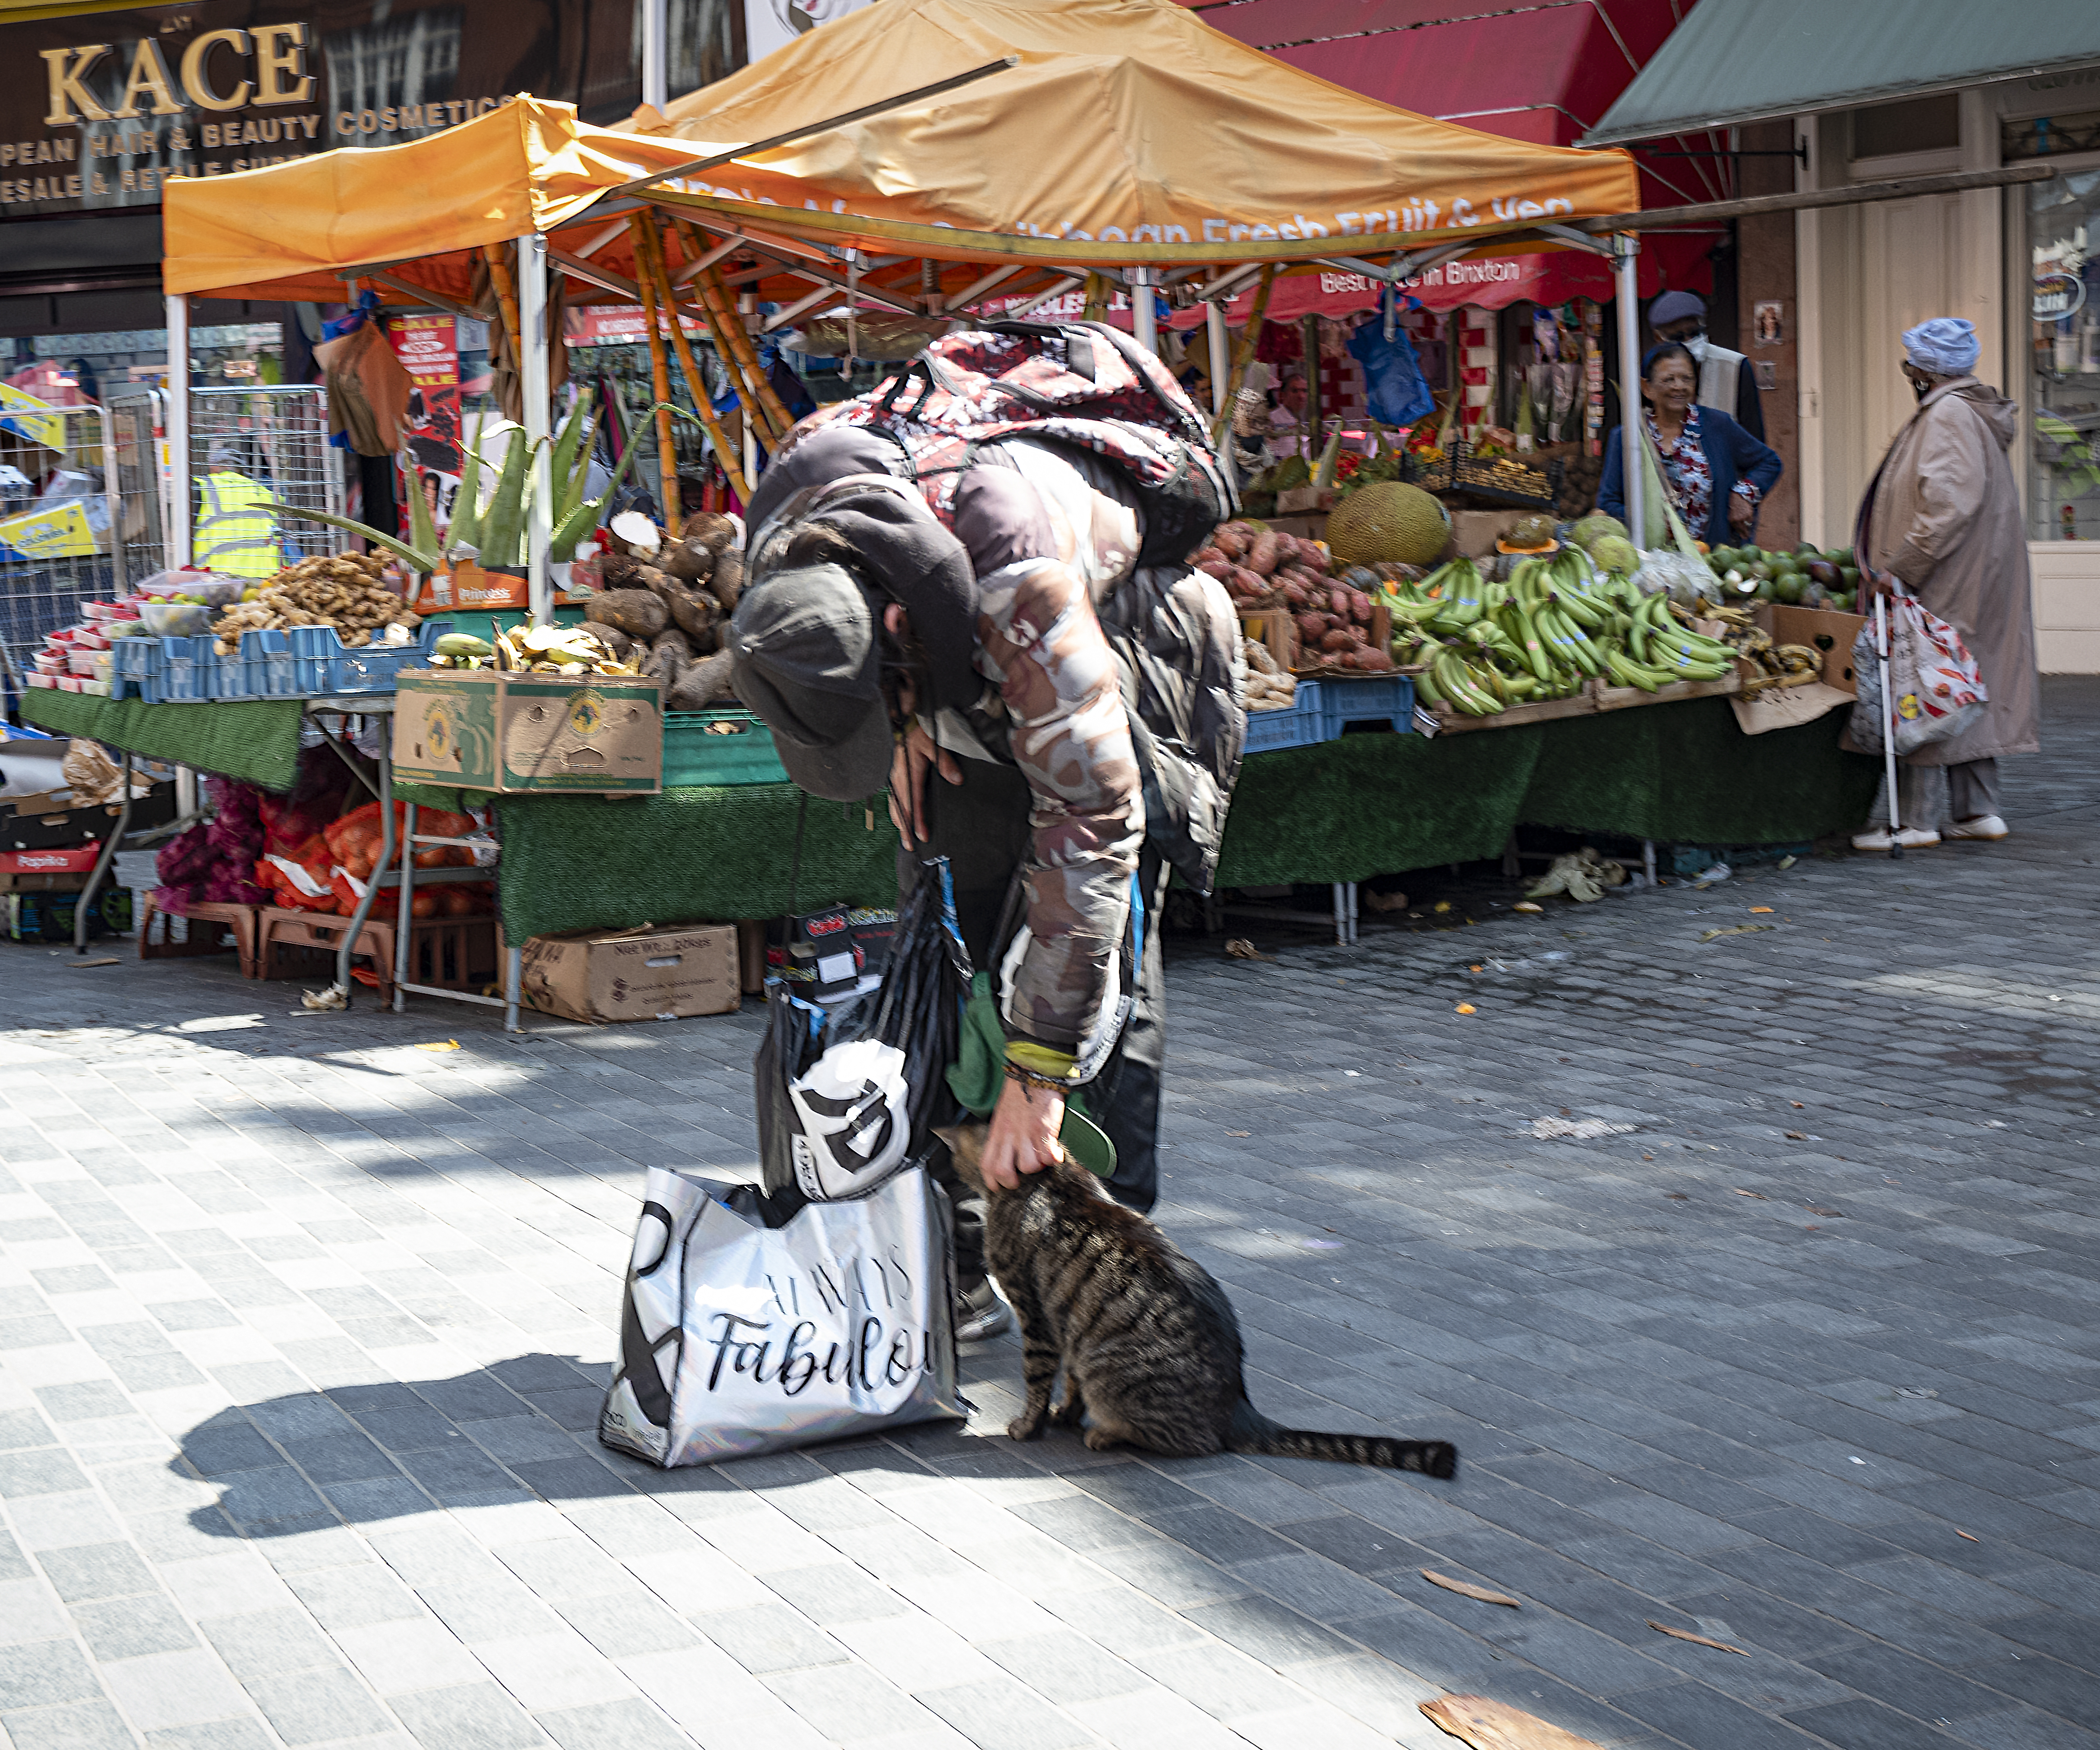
(848, 1092)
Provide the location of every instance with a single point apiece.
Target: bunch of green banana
(1555, 624)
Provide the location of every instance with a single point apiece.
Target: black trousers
(980, 825)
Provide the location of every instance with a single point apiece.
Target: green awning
(1747, 60)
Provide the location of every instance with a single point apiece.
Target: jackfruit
(1389, 523)
(1594, 528)
(1615, 552)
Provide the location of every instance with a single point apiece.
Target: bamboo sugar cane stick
(715, 289)
(1094, 298)
(640, 233)
(725, 325)
(1243, 355)
(654, 275)
(497, 255)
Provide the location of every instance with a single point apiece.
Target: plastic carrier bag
(849, 1091)
(1937, 689)
(738, 1336)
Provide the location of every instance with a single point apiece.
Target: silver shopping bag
(737, 1337)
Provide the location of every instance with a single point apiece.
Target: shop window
(1919, 124)
(2044, 136)
(2063, 463)
(705, 40)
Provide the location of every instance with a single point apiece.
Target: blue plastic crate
(268, 667)
(322, 667)
(1302, 726)
(190, 668)
(1374, 698)
(139, 671)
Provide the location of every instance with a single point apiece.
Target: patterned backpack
(1080, 383)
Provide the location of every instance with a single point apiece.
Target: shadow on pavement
(508, 1432)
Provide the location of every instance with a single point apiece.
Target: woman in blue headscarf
(1717, 472)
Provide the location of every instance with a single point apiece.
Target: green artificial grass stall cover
(256, 741)
(685, 856)
(1379, 804)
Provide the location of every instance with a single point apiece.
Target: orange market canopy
(1125, 133)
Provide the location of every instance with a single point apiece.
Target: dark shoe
(980, 1313)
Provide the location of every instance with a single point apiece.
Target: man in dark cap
(1726, 380)
(885, 647)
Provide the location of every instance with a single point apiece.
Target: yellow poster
(60, 532)
(23, 414)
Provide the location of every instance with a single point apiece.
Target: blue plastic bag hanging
(1393, 388)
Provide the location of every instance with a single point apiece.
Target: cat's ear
(952, 1135)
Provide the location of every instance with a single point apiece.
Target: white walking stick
(1888, 718)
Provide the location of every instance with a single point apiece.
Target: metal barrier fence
(278, 437)
(60, 522)
(137, 436)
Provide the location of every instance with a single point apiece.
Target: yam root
(727, 583)
(704, 683)
(639, 613)
(697, 614)
(691, 561)
(717, 530)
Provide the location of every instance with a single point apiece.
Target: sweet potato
(1311, 627)
(1266, 553)
(1360, 606)
(1336, 641)
(1232, 541)
(639, 613)
(1218, 566)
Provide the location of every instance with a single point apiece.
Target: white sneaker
(1983, 826)
(1911, 838)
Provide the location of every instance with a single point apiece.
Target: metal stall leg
(84, 907)
(404, 925)
(1648, 860)
(381, 864)
(512, 977)
(1341, 917)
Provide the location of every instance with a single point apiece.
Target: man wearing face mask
(1942, 515)
(1726, 380)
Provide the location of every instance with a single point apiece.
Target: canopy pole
(655, 55)
(179, 548)
(1144, 311)
(1626, 271)
(532, 383)
(1221, 365)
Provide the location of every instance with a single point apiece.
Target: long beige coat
(1943, 514)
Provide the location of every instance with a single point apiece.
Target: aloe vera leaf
(466, 531)
(422, 532)
(498, 545)
(564, 455)
(425, 562)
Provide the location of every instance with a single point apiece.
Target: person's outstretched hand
(1023, 1136)
(908, 766)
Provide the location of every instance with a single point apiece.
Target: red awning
(1545, 74)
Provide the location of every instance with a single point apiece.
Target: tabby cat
(1147, 1339)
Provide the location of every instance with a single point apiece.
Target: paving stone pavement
(303, 1330)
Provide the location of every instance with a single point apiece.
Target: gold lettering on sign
(64, 67)
(280, 66)
(196, 71)
(149, 77)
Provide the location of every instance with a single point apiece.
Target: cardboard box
(63, 882)
(1278, 630)
(73, 859)
(1822, 629)
(653, 974)
(513, 734)
(1474, 533)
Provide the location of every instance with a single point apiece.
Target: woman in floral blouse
(1717, 472)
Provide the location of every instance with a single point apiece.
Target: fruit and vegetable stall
(1376, 610)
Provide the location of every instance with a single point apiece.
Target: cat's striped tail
(1253, 1433)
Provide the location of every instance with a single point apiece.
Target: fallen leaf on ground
(1702, 1640)
(1969, 1536)
(1674, 1196)
(440, 1045)
(1239, 947)
(1467, 1008)
(1739, 929)
(1496, 1725)
(1798, 1105)
(1817, 1209)
(1525, 905)
(1755, 909)
(1465, 1588)
(1758, 1195)
(107, 960)
(1797, 1136)
(1239, 1133)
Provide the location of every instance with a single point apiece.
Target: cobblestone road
(304, 1332)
